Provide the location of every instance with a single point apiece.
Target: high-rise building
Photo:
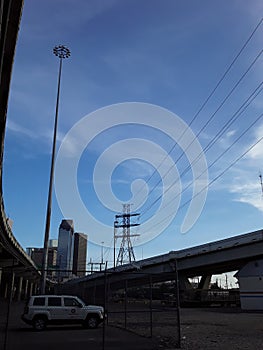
(65, 248)
(80, 254)
(52, 243)
(36, 254)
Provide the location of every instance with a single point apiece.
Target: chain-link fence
(145, 307)
(134, 302)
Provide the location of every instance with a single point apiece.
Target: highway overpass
(17, 271)
(205, 260)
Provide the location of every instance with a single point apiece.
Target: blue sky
(169, 54)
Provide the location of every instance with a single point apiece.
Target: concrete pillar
(10, 287)
(205, 282)
(19, 289)
(26, 289)
(30, 289)
(1, 288)
(35, 288)
(184, 283)
(6, 290)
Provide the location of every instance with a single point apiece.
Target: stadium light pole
(61, 52)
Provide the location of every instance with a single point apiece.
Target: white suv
(41, 310)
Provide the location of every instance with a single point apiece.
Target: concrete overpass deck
(212, 258)
(17, 270)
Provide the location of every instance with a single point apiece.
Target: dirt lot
(221, 328)
(206, 328)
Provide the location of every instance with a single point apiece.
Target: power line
(221, 155)
(226, 126)
(208, 121)
(234, 117)
(215, 179)
(207, 99)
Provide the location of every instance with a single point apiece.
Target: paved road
(21, 336)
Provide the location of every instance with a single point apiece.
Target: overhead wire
(222, 130)
(234, 117)
(208, 121)
(206, 100)
(226, 169)
(221, 155)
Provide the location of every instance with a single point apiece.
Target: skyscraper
(36, 254)
(80, 254)
(65, 248)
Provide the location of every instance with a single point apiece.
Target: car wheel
(39, 323)
(91, 322)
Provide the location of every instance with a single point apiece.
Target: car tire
(91, 322)
(39, 323)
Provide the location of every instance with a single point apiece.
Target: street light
(62, 52)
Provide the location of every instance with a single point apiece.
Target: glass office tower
(65, 249)
(80, 254)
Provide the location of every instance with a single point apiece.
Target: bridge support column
(205, 282)
(19, 290)
(35, 288)
(6, 291)
(184, 283)
(30, 289)
(26, 289)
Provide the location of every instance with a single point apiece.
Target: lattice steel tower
(126, 252)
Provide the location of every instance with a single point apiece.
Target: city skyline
(67, 255)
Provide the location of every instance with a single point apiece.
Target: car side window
(39, 301)
(71, 302)
(54, 301)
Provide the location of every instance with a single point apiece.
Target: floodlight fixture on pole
(62, 52)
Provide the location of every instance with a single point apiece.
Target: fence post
(125, 304)
(151, 309)
(177, 304)
(105, 304)
(9, 304)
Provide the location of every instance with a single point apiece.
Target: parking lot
(21, 336)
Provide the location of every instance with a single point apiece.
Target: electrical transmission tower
(126, 252)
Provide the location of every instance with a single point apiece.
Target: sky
(160, 108)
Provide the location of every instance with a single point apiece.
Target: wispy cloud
(13, 126)
(35, 136)
(256, 152)
(249, 193)
(226, 139)
(243, 181)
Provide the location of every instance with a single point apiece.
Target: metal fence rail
(133, 302)
(144, 308)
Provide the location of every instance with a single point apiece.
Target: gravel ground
(220, 328)
(206, 328)
(201, 328)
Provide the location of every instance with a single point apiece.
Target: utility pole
(126, 248)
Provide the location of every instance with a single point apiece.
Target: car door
(55, 308)
(73, 309)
